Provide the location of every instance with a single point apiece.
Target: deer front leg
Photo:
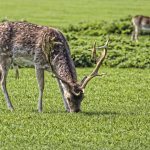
(64, 99)
(3, 76)
(40, 79)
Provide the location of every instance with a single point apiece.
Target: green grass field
(115, 113)
(63, 12)
(116, 108)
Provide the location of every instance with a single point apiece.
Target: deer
(140, 23)
(46, 49)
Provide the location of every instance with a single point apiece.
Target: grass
(61, 13)
(115, 113)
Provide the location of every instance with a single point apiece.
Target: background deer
(46, 49)
(140, 23)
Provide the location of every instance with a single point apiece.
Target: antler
(98, 65)
(94, 52)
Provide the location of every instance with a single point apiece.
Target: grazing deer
(46, 49)
(140, 23)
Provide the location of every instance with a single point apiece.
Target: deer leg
(133, 36)
(16, 71)
(64, 99)
(136, 33)
(40, 79)
(3, 76)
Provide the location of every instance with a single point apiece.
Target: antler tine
(98, 65)
(94, 52)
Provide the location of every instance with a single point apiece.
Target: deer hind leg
(16, 71)
(133, 35)
(0, 75)
(137, 30)
(3, 75)
(40, 79)
(64, 99)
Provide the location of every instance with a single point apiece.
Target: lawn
(115, 113)
(64, 12)
(116, 108)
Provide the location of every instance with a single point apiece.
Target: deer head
(74, 92)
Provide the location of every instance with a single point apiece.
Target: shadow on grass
(50, 111)
(112, 113)
(104, 113)
(91, 113)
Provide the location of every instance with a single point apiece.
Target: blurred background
(64, 12)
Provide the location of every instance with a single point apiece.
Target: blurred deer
(140, 23)
(46, 49)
